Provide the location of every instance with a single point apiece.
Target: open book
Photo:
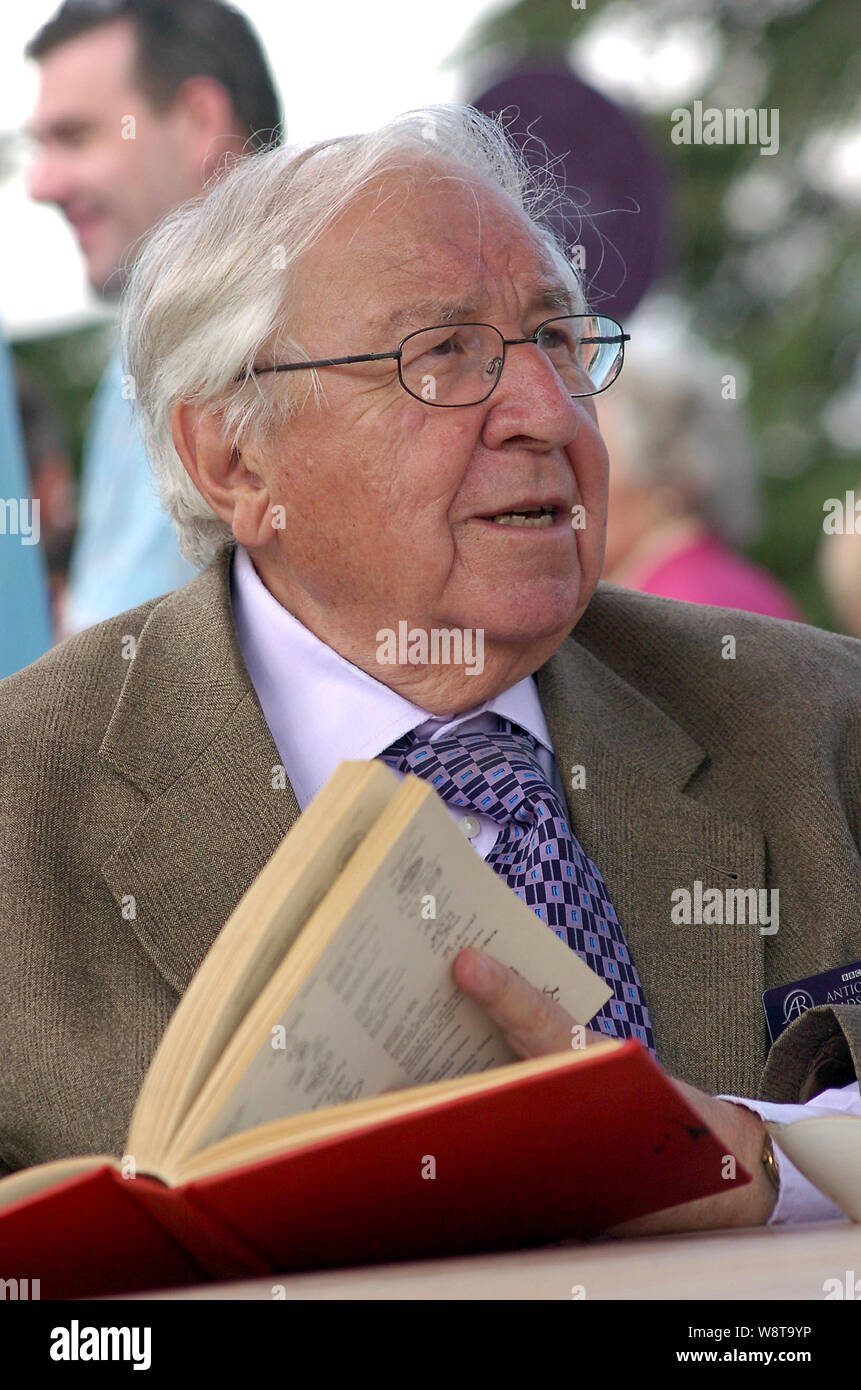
(325, 1094)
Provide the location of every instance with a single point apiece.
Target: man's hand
(743, 1133)
(534, 1024)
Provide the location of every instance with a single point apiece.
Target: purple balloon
(614, 214)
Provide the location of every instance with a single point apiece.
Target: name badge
(783, 1004)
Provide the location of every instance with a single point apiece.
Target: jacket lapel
(189, 732)
(702, 983)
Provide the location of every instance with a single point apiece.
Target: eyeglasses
(456, 364)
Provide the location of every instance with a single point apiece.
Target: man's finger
(533, 1023)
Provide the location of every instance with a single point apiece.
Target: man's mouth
(85, 223)
(539, 518)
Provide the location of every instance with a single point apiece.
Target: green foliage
(67, 367)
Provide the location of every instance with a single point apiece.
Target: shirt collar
(322, 709)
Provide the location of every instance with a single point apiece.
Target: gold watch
(769, 1163)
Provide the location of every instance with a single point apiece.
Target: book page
(280, 1136)
(251, 945)
(28, 1181)
(377, 1009)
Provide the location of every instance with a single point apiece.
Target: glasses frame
(397, 356)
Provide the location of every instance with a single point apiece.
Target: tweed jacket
(135, 762)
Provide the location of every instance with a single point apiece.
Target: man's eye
(554, 338)
(435, 346)
(444, 348)
(71, 137)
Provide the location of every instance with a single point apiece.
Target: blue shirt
(25, 616)
(126, 550)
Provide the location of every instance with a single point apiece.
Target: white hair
(215, 281)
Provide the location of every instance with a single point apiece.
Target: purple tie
(498, 774)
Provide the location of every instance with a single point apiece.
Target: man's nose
(531, 401)
(47, 180)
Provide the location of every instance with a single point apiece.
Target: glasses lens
(456, 364)
(587, 350)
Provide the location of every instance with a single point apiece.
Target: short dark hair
(179, 39)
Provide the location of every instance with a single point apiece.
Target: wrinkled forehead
(440, 245)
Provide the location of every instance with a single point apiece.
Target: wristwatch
(769, 1163)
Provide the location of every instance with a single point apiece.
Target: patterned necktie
(498, 774)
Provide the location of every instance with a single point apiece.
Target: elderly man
(366, 379)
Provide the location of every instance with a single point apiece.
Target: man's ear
(228, 480)
(203, 112)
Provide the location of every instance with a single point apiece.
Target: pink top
(707, 571)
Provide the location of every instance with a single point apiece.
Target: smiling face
(111, 179)
(388, 501)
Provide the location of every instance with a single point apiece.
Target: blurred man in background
(683, 480)
(140, 103)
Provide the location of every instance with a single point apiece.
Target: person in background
(141, 102)
(683, 492)
(25, 620)
(840, 570)
(52, 481)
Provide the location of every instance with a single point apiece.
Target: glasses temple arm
(320, 362)
(617, 338)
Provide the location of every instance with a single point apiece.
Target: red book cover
(546, 1158)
